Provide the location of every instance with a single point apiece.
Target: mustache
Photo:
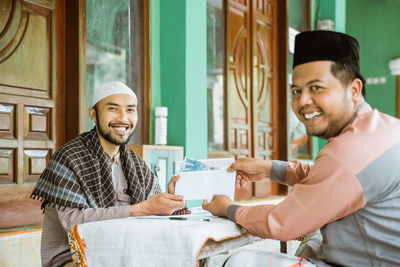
(114, 124)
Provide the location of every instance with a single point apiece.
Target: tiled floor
(20, 249)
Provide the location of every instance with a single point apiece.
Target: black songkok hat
(326, 45)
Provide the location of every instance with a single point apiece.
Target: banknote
(190, 164)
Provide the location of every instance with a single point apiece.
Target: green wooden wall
(376, 25)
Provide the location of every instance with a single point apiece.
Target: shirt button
(125, 191)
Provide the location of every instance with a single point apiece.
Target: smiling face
(115, 119)
(321, 101)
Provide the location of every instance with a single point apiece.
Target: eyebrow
(117, 105)
(308, 83)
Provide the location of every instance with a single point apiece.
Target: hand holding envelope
(212, 179)
(216, 183)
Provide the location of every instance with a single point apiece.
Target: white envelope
(204, 184)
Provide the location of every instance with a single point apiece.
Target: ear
(92, 114)
(355, 89)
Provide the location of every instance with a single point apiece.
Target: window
(107, 45)
(299, 143)
(117, 49)
(215, 77)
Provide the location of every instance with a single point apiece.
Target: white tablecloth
(157, 241)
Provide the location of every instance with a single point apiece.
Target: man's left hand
(171, 184)
(171, 190)
(218, 205)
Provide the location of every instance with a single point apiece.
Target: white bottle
(161, 125)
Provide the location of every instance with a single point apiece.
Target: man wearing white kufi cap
(122, 127)
(97, 177)
(111, 88)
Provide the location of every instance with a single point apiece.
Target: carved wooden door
(31, 101)
(251, 84)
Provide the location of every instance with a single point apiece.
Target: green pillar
(196, 79)
(155, 78)
(340, 16)
(178, 43)
(330, 9)
(183, 73)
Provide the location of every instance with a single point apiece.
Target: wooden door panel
(262, 86)
(238, 95)
(264, 89)
(33, 78)
(27, 104)
(251, 85)
(7, 159)
(241, 2)
(7, 121)
(37, 123)
(238, 85)
(35, 161)
(265, 8)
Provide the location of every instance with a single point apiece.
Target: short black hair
(346, 73)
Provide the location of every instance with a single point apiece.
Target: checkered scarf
(79, 175)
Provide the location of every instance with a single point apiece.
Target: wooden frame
(59, 117)
(305, 138)
(223, 153)
(282, 54)
(75, 70)
(140, 66)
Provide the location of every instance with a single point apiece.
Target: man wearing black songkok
(352, 190)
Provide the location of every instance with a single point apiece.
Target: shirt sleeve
(71, 216)
(328, 193)
(289, 173)
(297, 171)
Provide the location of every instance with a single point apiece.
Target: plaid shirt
(79, 176)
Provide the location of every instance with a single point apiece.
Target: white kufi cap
(111, 88)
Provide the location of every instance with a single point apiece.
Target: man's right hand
(250, 169)
(160, 204)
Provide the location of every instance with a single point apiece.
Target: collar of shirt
(114, 160)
